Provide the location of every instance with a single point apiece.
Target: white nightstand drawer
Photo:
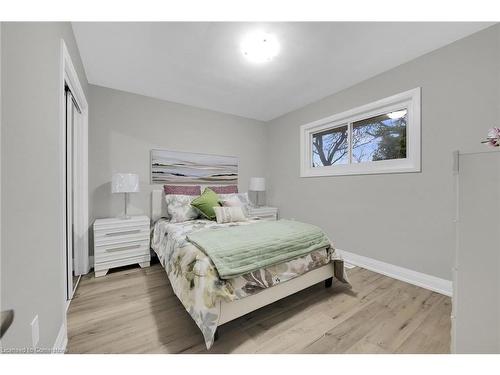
(134, 221)
(266, 218)
(118, 248)
(121, 236)
(111, 257)
(130, 230)
(263, 213)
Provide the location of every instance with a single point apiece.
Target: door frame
(69, 77)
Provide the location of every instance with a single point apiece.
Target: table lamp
(257, 184)
(125, 183)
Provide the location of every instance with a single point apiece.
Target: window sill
(377, 167)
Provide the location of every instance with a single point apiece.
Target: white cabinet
(476, 298)
(263, 213)
(119, 242)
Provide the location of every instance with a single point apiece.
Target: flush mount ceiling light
(397, 114)
(260, 47)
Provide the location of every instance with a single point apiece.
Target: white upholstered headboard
(158, 205)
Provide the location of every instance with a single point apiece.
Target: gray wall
(31, 273)
(403, 219)
(124, 127)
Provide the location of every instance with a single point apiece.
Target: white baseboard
(61, 339)
(423, 280)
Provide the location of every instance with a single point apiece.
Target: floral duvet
(195, 280)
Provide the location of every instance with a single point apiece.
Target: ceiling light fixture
(397, 114)
(260, 47)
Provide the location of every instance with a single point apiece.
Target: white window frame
(409, 100)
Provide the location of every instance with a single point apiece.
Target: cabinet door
(477, 294)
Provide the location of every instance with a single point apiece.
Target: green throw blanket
(242, 249)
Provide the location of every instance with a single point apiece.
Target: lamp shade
(125, 183)
(257, 184)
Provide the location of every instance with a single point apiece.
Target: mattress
(195, 279)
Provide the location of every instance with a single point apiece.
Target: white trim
(423, 280)
(61, 339)
(69, 76)
(410, 100)
(0, 161)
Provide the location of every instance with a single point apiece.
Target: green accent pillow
(206, 203)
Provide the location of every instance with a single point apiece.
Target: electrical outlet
(35, 331)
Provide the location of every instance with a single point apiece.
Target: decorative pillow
(179, 208)
(243, 197)
(229, 189)
(182, 189)
(206, 203)
(229, 214)
(232, 201)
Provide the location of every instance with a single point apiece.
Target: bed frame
(235, 309)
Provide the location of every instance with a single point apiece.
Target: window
(381, 137)
(330, 147)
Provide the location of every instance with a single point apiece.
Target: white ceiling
(200, 63)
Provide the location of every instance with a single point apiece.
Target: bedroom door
(73, 121)
(476, 284)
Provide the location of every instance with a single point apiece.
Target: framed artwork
(174, 167)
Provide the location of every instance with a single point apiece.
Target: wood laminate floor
(134, 310)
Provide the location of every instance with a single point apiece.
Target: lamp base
(258, 200)
(125, 215)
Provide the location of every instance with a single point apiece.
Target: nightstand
(264, 213)
(120, 242)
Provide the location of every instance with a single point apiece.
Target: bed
(213, 301)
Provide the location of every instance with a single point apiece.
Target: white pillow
(232, 202)
(229, 214)
(179, 208)
(243, 197)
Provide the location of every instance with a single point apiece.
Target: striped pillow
(229, 189)
(229, 214)
(182, 189)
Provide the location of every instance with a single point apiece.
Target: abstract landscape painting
(175, 167)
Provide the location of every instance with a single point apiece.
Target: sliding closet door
(73, 117)
(80, 214)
